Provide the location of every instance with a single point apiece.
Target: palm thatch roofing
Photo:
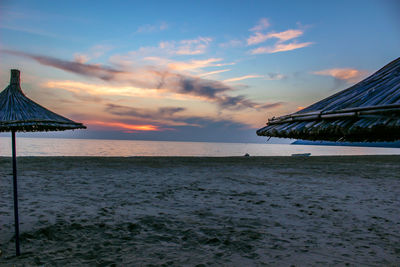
(369, 111)
(20, 114)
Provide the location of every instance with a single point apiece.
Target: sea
(132, 148)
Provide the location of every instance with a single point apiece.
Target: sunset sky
(190, 70)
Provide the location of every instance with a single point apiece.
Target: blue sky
(191, 70)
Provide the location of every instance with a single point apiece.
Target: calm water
(127, 148)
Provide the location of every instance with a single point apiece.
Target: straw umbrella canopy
(368, 111)
(18, 113)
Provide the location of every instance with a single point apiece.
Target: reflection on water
(128, 148)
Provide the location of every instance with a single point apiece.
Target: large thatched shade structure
(20, 114)
(366, 112)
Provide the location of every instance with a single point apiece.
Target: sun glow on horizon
(121, 125)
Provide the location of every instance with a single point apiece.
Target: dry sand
(255, 211)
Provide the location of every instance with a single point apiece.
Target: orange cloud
(122, 125)
(243, 78)
(98, 89)
(193, 64)
(345, 74)
(279, 48)
(190, 66)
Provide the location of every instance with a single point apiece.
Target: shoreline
(206, 157)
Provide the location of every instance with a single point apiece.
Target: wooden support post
(16, 219)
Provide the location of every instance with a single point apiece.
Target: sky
(211, 71)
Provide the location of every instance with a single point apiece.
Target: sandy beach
(182, 211)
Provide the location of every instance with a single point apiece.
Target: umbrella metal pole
(16, 219)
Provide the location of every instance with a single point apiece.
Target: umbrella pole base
(16, 219)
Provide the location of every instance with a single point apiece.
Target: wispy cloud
(144, 113)
(278, 47)
(272, 105)
(149, 28)
(344, 74)
(286, 35)
(262, 24)
(268, 76)
(259, 37)
(243, 78)
(195, 64)
(213, 72)
(101, 72)
(281, 36)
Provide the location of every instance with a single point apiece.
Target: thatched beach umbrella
(20, 114)
(369, 111)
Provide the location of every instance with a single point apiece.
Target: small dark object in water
(301, 155)
(247, 155)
